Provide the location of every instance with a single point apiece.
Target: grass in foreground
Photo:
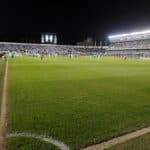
(1, 78)
(78, 101)
(28, 144)
(141, 143)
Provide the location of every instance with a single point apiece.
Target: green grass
(141, 143)
(1, 77)
(28, 144)
(78, 101)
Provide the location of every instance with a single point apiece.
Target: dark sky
(72, 20)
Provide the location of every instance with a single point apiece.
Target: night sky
(72, 20)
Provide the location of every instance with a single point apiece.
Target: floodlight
(129, 34)
(46, 38)
(42, 40)
(51, 38)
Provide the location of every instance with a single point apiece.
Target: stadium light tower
(48, 38)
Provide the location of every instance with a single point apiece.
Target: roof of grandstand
(133, 36)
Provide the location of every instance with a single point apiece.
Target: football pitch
(1, 78)
(79, 101)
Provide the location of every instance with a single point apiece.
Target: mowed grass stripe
(1, 78)
(78, 101)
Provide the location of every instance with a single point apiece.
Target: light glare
(128, 34)
(46, 38)
(51, 38)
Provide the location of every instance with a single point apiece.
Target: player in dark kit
(42, 56)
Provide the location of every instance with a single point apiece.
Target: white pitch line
(118, 140)
(4, 111)
(45, 138)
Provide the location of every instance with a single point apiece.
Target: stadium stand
(131, 45)
(135, 44)
(48, 49)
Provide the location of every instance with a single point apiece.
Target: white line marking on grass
(118, 140)
(55, 142)
(4, 111)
